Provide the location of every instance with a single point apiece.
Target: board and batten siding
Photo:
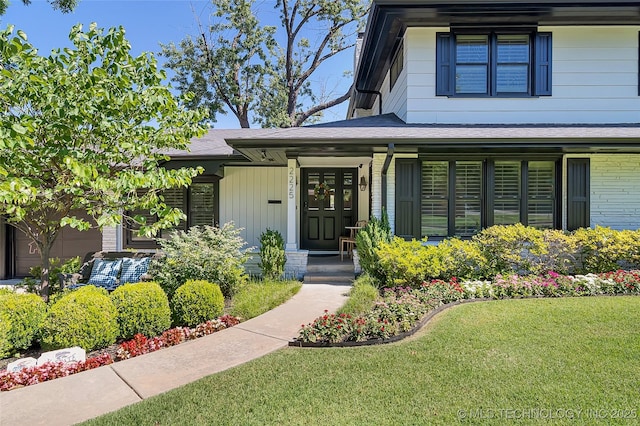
(595, 80)
(615, 190)
(244, 199)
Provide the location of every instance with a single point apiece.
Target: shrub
(142, 308)
(604, 249)
(409, 263)
(196, 301)
(362, 296)
(21, 316)
(32, 282)
(85, 317)
(511, 249)
(202, 253)
(272, 255)
(368, 239)
(461, 259)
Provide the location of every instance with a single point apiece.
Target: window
(198, 202)
(493, 64)
(396, 66)
(460, 198)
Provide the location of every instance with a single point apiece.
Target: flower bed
(139, 345)
(402, 310)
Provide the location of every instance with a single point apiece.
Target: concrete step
(344, 268)
(329, 278)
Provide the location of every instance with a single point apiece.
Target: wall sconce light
(363, 183)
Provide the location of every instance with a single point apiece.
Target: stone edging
(397, 337)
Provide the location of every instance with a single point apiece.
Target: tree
(65, 6)
(256, 70)
(83, 130)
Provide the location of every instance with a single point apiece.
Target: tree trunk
(45, 250)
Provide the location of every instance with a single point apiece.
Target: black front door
(329, 203)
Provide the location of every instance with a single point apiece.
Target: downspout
(385, 168)
(373, 92)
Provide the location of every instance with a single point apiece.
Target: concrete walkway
(91, 393)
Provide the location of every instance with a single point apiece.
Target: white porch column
(292, 214)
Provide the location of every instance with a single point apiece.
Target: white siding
(395, 100)
(615, 191)
(244, 195)
(595, 80)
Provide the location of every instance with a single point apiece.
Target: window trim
(151, 243)
(540, 62)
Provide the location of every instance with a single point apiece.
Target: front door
(329, 203)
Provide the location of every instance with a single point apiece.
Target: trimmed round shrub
(21, 316)
(142, 308)
(195, 302)
(85, 317)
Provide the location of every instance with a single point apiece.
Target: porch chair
(350, 241)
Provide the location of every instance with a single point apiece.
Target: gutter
(373, 92)
(385, 169)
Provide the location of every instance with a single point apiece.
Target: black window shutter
(578, 193)
(407, 199)
(542, 66)
(444, 64)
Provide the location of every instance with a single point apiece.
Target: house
(465, 114)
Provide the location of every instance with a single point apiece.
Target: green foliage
(511, 248)
(604, 249)
(202, 253)
(407, 263)
(195, 302)
(85, 317)
(368, 239)
(272, 255)
(257, 297)
(56, 267)
(362, 296)
(264, 73)
(64, 6)
(142, 308)
(460, 258)
(69, 118)
(21, 316)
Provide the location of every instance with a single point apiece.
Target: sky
(147, 24)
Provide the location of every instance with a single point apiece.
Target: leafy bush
(257, 297)
(85, 317)
(368, 239)
(362, 296)
(196, 301)
(21, 316)
(32, 282)
(511, 248)
(409, 263)
(461, 259)
(202, 253)
(272, 254)
(604, 249)
(142, 308)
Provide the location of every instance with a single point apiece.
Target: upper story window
(509, 64)
(396, 66)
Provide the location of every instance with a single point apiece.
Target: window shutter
(407, 223)
(445, 80)
(578, 193)
(542, 65)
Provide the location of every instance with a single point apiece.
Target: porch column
(292, 214)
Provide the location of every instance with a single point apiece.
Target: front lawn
(550, 358)
(257, 297)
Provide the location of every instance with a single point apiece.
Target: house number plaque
(292, 183)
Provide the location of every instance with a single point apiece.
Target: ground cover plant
(257, 297)
(568, 356)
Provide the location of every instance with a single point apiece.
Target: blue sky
(149, 23)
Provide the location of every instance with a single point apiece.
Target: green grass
(362, 297)
(258, 297)
(558, 354)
